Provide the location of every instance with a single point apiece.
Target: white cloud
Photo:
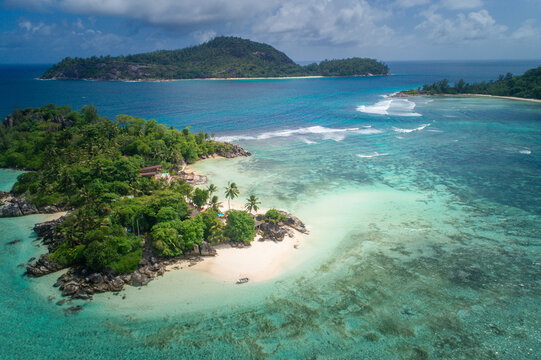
(476, 25)
(461, 4)
(170, 13)
(39, 28)
(410, 3)
(203, 36)
(336, 22)
(528, 30)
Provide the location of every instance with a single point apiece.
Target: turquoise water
(424, 217)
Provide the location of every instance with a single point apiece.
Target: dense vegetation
(222, 57)
(92, 164)
(527, 85)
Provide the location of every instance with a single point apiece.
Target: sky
(46, 31)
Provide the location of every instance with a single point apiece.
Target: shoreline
(401, 94)
(262, 260)
(219, 79)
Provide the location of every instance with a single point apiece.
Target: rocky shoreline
(12, 205)
(82, 283)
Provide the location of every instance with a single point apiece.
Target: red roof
(150, 168)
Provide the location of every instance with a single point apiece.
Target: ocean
(424, 216)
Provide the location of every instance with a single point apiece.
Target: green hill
(222, 57)
(527, 85)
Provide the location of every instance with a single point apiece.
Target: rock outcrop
(47, 231)
(43, 266)
(192, 178)
(232, 151)
(271, 229)
(12, 205)
(83, 283)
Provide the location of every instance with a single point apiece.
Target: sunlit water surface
(424, 216)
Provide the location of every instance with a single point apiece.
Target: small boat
(242, 280)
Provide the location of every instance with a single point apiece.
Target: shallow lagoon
(424, 239)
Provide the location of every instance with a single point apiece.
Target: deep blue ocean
(424, 216)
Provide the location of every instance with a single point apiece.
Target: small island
(220, 58)
(128, 203)
(526, 86)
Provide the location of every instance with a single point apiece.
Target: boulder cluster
(83, 283)
(12, 205)
(234, 151)
(271, 229)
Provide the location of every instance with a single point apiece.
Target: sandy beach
(498, 97)
(401, 94)
(262, 260)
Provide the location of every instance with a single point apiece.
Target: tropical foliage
(231, 192)
(240, 226)
(527, 85)
(79, 160)
(252, 203)
(222, 57)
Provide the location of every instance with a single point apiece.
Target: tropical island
(526, 86)
(129, 207)
(220, 58)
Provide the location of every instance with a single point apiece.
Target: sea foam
(374, 154)
(400, 130)
(325, 133)
(396, 107)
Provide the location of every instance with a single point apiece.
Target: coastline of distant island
(526, 87)
(220, 58)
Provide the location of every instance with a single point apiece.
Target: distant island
(130, 207)
(222, 58)
(526, 86)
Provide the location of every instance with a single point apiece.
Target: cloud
(69, 37)
(167, 13)
(410, 3)
(473, 26)
(339, 22)
(203, 36)
(335, 22)
(462, 4)
(528, 30)
(35, 28)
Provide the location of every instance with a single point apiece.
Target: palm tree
(231, 192)
(214, 203)
(212, 189)
(251, 203)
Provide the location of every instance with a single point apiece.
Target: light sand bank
(261, 261)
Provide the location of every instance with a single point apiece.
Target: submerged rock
(74, 309)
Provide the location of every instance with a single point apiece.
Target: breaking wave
(410, 130)
(396, 107)
(324, 132)
(525, 151)
(374, 154)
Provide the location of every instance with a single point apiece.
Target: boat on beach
(242, 280)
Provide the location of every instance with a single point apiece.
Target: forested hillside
(222, 57)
